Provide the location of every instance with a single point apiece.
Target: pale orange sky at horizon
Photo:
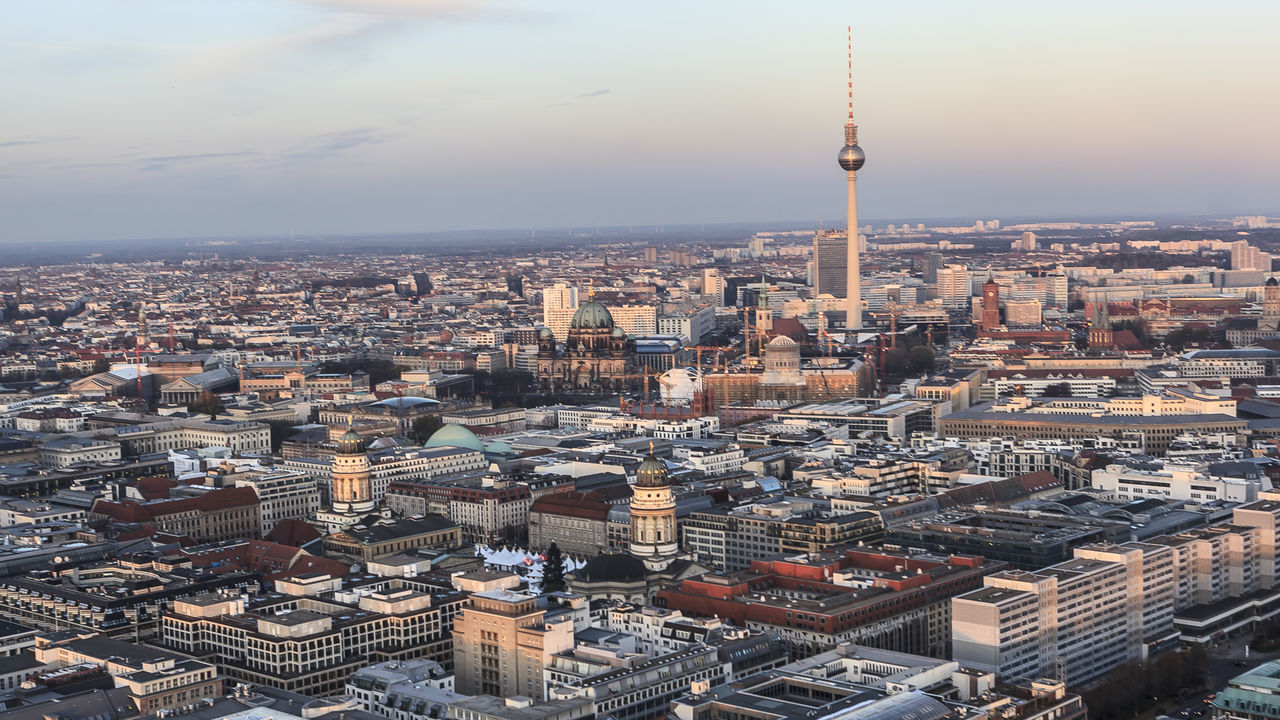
(156, 119)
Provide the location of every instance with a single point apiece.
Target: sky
(183, 118)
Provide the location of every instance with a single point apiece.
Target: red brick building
(223, 514)
(872, 597)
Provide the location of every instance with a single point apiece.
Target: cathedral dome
(782, 341)
(592, 316)
(652, 473)
(455, 436)
(350, 443)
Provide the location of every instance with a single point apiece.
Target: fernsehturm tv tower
(851, 159)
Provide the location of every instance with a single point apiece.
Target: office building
(1146, 426)
(70, 597)
(559, 302)
(315, 630)
(502, 641)
(952, 287)
(1022, 313)
(830, 265)
(281, 495)
(154, 680)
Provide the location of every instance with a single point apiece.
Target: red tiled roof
(155, 488)
(131, 511)
(1038, 481)
(293, 532)
(572, 504)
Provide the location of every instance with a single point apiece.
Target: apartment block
(1073, 620)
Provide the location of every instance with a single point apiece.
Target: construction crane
(666, 386)
(892, 307)
(645, 374)
(710, 348)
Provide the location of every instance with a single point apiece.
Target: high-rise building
(1108, 605)
(1246, 257)
(559, 303)
(651, 254)
(1025, 242)
(830, 265)
(851, 159)
(636, 320)
(1033, 624)
(932, 263)
(502, 641)
(953, 286)
(713, 284)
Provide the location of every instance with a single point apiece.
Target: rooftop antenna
(849, 122)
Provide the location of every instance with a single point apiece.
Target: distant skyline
(155, 118)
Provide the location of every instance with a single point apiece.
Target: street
(1226, 660)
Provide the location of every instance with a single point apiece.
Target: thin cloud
(164, 162)
(27, 141)
(583, 96)
(252, 55)
(320, 147)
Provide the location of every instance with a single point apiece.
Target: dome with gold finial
(591, 315)
(652, 472)
(350, 443)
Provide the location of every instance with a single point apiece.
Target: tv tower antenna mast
(851, 159)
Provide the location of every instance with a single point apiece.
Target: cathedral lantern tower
(352, 484)
(653, 515)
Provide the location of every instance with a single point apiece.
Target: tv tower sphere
(851, 158)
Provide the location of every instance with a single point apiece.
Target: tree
(207, 403)
(921, 359)
(1188, 279)
(424, 427)
(1137, 326)
(553, 570)
(100, 365)
(1061, 389)
(1180, 338)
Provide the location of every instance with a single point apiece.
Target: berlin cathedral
(596, 358)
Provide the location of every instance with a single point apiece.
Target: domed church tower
(352, 483)
(653, 515)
